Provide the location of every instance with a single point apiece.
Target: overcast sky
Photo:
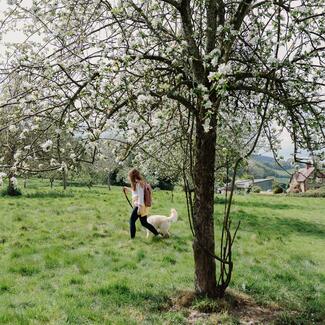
(14, 36)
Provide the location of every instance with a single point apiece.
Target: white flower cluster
(224, 68)
(207, 102)
(14, 182)
(17, 154)
(206, 125)
(214, 56)
(144, 99)
(73, 156)
(202, 89)
(12, 128)
(63, 167)
(53, 162)
(47, 146)
(2, 175)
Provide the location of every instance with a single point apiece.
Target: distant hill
(262, 166)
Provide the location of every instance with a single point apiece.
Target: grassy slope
(67, 258)
(280, 252)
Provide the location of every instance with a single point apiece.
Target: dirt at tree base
(236, 305)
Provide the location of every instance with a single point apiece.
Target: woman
(140, 210)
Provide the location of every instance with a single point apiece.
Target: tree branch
(174, 3)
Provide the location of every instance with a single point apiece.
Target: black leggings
(144, 222)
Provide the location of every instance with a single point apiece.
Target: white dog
(162, 223)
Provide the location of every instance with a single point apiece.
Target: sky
(14, 36)
(286, 146)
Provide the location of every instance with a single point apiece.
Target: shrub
(278, 190)
(221, 200)
(165, 184)
(256, 189)
(320, 192)
(11, 192)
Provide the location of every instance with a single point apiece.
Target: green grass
(280, 253)
(66, 258)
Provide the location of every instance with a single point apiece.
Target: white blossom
(143, 99)
(22, 136)
(2, 175)
(224, 68)
(53, 162)
(14, 182)
(12, 128)
(63, 167)
(202, 88)
(47, 146)
(208, 104)
(206, 125)
(215, 61)
(212, 75)
(17, 154)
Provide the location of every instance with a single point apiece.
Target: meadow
(66, 258)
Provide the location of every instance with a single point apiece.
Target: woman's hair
(134, 175)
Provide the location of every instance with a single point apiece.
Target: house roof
(243, 183)
(303, 173)
(246, 183)
(260, 180)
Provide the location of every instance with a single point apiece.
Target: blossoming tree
(127, 65)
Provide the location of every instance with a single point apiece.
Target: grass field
(66, 258)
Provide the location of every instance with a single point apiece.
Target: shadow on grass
(53, 195)
(274, 227)
(178, 243)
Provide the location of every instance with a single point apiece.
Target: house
(306, 178)
(246, 184)
(264, 183)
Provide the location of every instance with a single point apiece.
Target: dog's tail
(173, 215)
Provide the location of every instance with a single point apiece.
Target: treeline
(113, 178)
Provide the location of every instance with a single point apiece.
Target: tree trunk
(64, 178)
(109, 181)
(204, 245)
(11, 187)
